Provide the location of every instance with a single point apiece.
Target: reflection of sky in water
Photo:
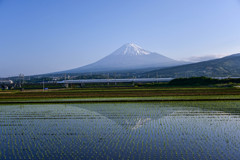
(120, 130)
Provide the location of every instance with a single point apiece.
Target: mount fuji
(128, 57)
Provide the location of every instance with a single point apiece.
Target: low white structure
(133, 80)
(6, 82)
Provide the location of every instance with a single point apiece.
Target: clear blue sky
(41, 36)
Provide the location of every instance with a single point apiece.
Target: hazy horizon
(47, 36)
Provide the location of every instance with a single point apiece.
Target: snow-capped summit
(128, 57)
(131, 49)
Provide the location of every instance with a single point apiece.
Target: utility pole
(21, 78)
(43, 85)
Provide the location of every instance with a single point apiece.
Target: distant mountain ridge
(128, 57)
(228, 66)
(195, 59)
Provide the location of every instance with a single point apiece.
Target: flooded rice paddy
(189, 130)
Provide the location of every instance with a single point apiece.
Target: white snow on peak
(131, 49)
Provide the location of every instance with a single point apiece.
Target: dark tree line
(202, 81)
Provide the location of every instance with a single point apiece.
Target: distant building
(6, 82)
(5, 87)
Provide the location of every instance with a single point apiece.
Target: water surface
(201, 130)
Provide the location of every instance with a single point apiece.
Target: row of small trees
(202, 81)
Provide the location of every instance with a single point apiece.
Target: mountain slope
(128, 57)
(223, 67)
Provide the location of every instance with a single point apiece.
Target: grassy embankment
(127, 94)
